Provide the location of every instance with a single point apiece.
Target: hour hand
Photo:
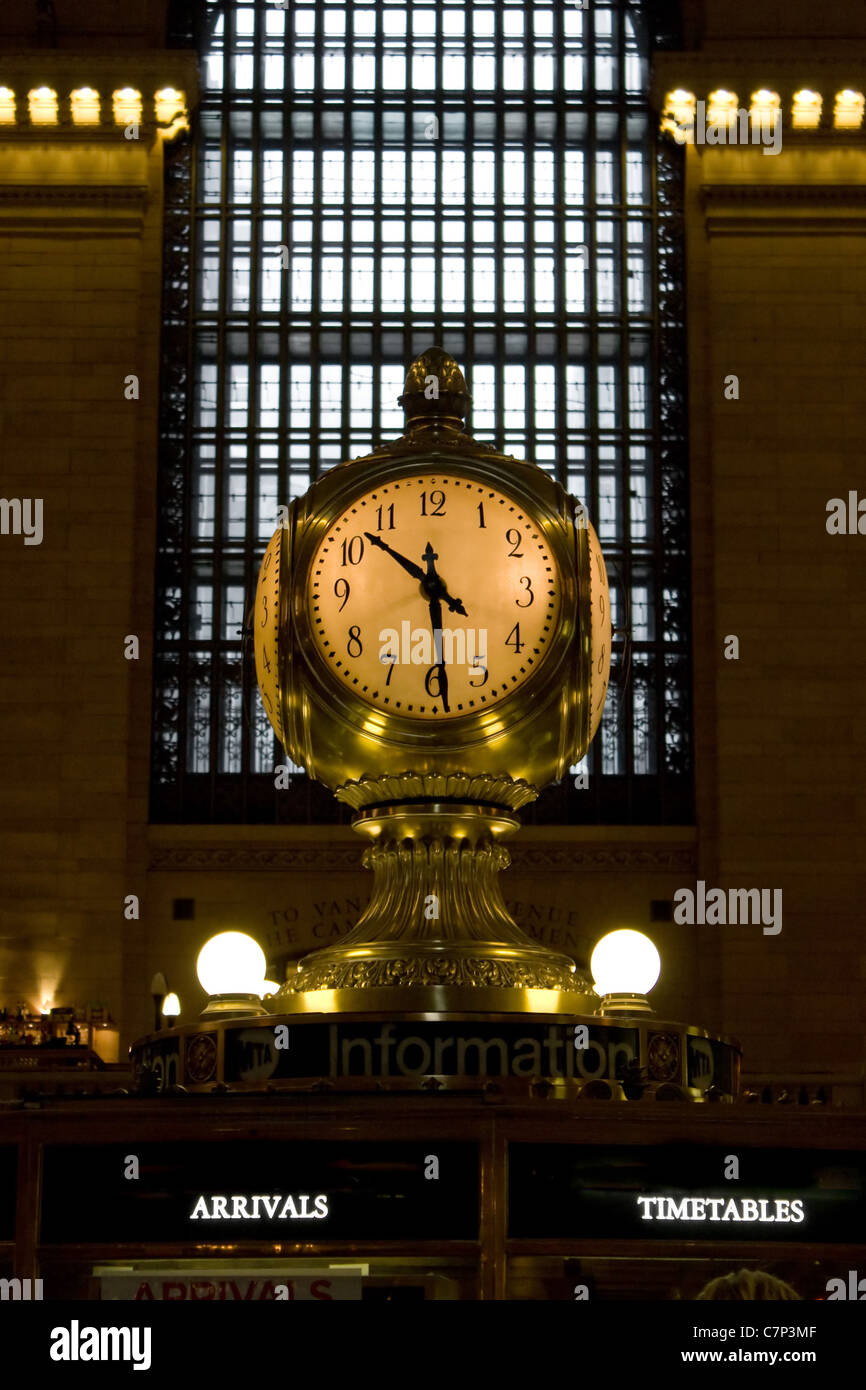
(408, 565)
(455, 605)
(435, 587)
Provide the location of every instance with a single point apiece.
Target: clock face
(600, 631)
(434, 597)
(266, 626)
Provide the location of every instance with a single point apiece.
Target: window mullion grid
(500, 156)
(375, 324)
(379, 310)
(658, 557)
(529, 315)
(559, 214)
(409, 200)
(469, 211)
(348, 316)
(222, 549)
(252, 468)
(223, 416)
(562, 319)
(439, 306)
(625, 543)
(592, 311)
(182, 666)
(591, 303)
(316, 291)
(284, 417)
(440, 165)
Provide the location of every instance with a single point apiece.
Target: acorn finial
(435, 388)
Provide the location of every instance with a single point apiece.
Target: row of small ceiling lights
(85, 106)
(680, 107)
(765, 106)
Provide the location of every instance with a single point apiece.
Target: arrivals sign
(229, 1285)
(259, 1190)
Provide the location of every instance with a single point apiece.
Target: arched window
(366, 178)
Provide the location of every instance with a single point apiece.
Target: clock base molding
(503, 791)
(436, 922)
(478, 985)
(433, 1001)
(549, 1054)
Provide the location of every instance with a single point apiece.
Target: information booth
(479, 1195)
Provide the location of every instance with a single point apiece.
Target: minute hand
(438, 658)
(413, 569)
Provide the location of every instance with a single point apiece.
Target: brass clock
(433, 643)
(435, 607)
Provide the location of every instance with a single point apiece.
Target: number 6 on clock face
(452, 578)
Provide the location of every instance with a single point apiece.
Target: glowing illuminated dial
(600, 630)
(266, 622)
(434, 597)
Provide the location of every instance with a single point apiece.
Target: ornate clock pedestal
(436, 934)
(430, 615)
(436, 986)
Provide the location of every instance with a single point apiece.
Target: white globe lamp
(625, 965)
(171, 1008)
(230, 969)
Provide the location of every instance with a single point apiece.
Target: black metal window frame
(265, 385)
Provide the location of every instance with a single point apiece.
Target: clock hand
(434, 586)
(455, 605)
(438, 660)
(411, 568)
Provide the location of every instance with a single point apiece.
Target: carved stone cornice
(783, 193)
(51, 209)
(793, 209)
(258, 858)
(613, 858)
(130, 194)
(525, 859)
